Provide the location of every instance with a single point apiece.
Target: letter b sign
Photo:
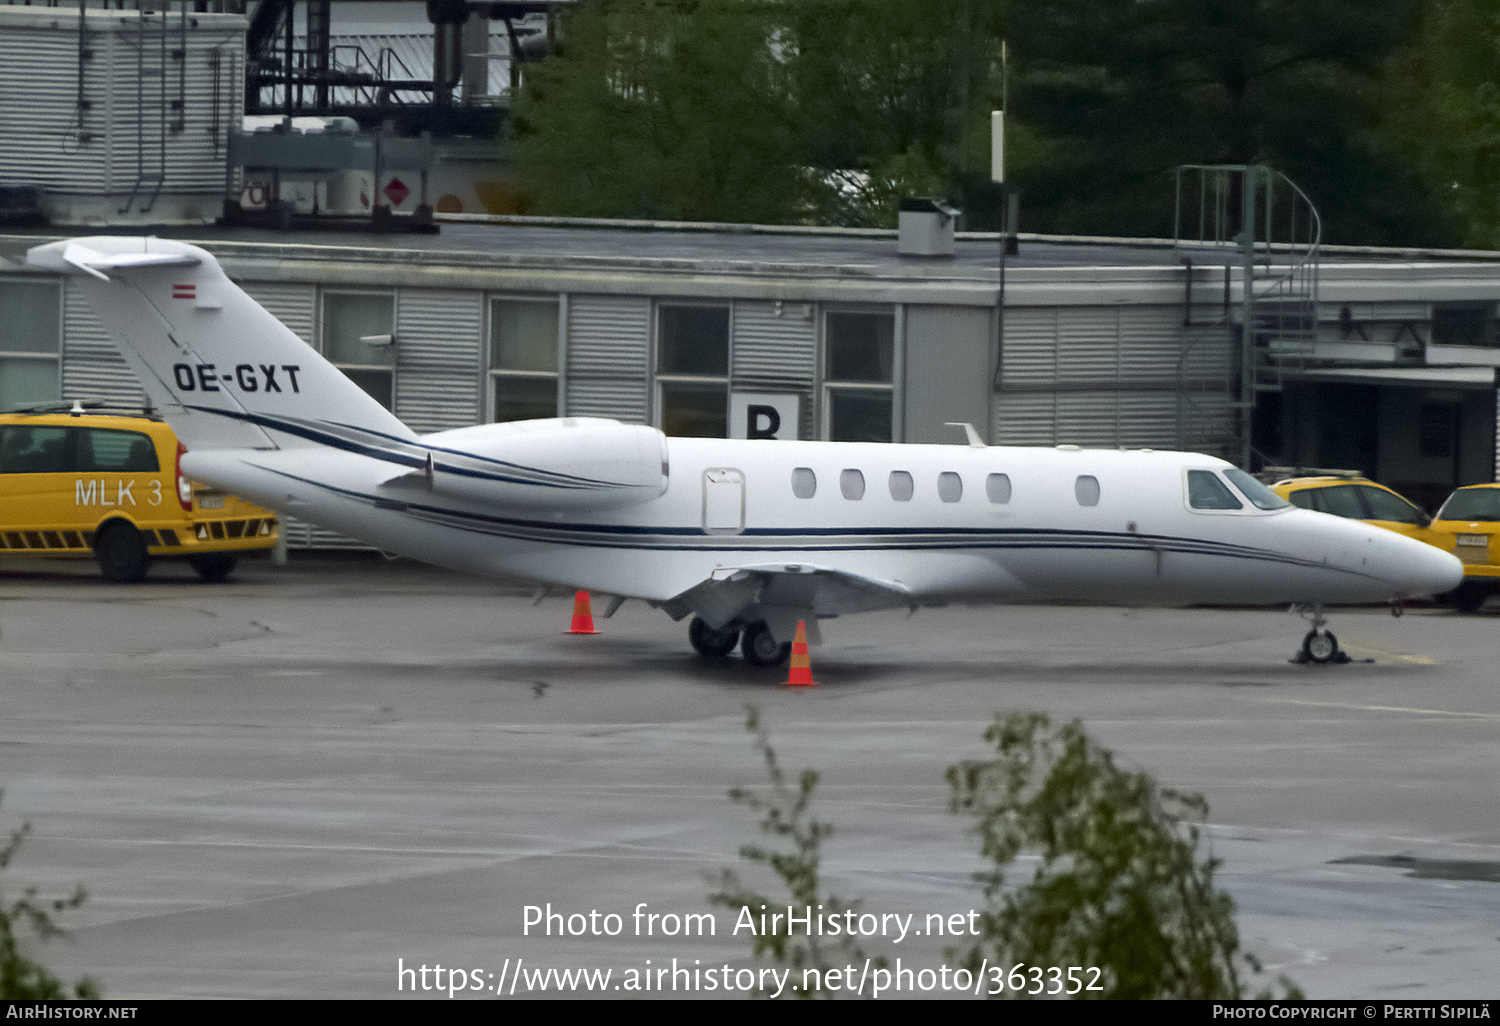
(763, 415)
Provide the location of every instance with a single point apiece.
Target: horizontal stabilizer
(91, 261)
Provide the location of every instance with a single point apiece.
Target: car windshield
(1256, 492)
(1472, 504)
(1383, 505)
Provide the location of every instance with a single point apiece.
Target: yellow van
(75, 483)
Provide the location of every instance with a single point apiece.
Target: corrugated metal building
(1098, 345)
(121, 116)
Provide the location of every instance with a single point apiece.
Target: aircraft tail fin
(222, 370)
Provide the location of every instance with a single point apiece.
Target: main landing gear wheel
(121, 552)
(715, 644)
(761, 649)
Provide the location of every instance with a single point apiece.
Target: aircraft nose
(1416, 568)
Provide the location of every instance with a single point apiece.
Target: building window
(523, 359)
(692, 370)
(858, 375)
(358, 338)
(1464, 324)
(30, 341)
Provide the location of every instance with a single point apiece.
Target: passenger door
(723, 501)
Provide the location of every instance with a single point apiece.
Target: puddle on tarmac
(1429, 869)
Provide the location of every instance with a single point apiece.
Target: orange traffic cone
(583, 620)
(801, 671)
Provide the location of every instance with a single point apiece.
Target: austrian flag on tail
(184, 291)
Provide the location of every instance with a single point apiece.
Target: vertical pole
(1248, 181)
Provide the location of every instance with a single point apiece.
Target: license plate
(217, 502)
(1473, 539)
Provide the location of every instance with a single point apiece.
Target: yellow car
(1467, 525)
(74, 483)
(1357, 498)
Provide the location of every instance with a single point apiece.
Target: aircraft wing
(791, 589)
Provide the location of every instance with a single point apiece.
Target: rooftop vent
(925, 228)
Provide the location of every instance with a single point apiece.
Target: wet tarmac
(300, 782)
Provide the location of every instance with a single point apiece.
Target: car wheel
(121, 552)
(213, 566)
(715, 644)
(1467, 598)
(1320, 647)
(760, 648)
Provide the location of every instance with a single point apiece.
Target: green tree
(1123, 91)
(1441, 100)
(21, 978)
(822, 111)
(662, 109)
(1121, 885)
(785, 816)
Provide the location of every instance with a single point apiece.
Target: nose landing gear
(1319, 646)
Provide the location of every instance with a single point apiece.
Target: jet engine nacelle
(571, 463)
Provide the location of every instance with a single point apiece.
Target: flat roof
(527, 249)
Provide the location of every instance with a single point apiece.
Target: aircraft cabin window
(852, 484)
(804, 483)
(1206, 491)
(30, 341)
(1086, 490)
(902, 488)
(997, 487)
(950, 486)
(523, 358)
(1261, 496)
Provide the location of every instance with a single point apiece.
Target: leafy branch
(785, 815)
(20, 977)
(1121, 884)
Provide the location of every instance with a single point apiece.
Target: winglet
(975, 442)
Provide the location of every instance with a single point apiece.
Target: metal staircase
(1265, 233)
(160, 57)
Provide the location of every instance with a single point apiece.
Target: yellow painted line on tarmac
(1385, 708)
(1359, 650)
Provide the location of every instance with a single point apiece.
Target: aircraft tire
(759, 647)
(213, 566)
(121, 552)
(1320, 647)
(713, 644)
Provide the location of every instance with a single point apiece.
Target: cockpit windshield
(1259, 494)
(1206, 491)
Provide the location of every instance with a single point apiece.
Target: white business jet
(747, 537)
